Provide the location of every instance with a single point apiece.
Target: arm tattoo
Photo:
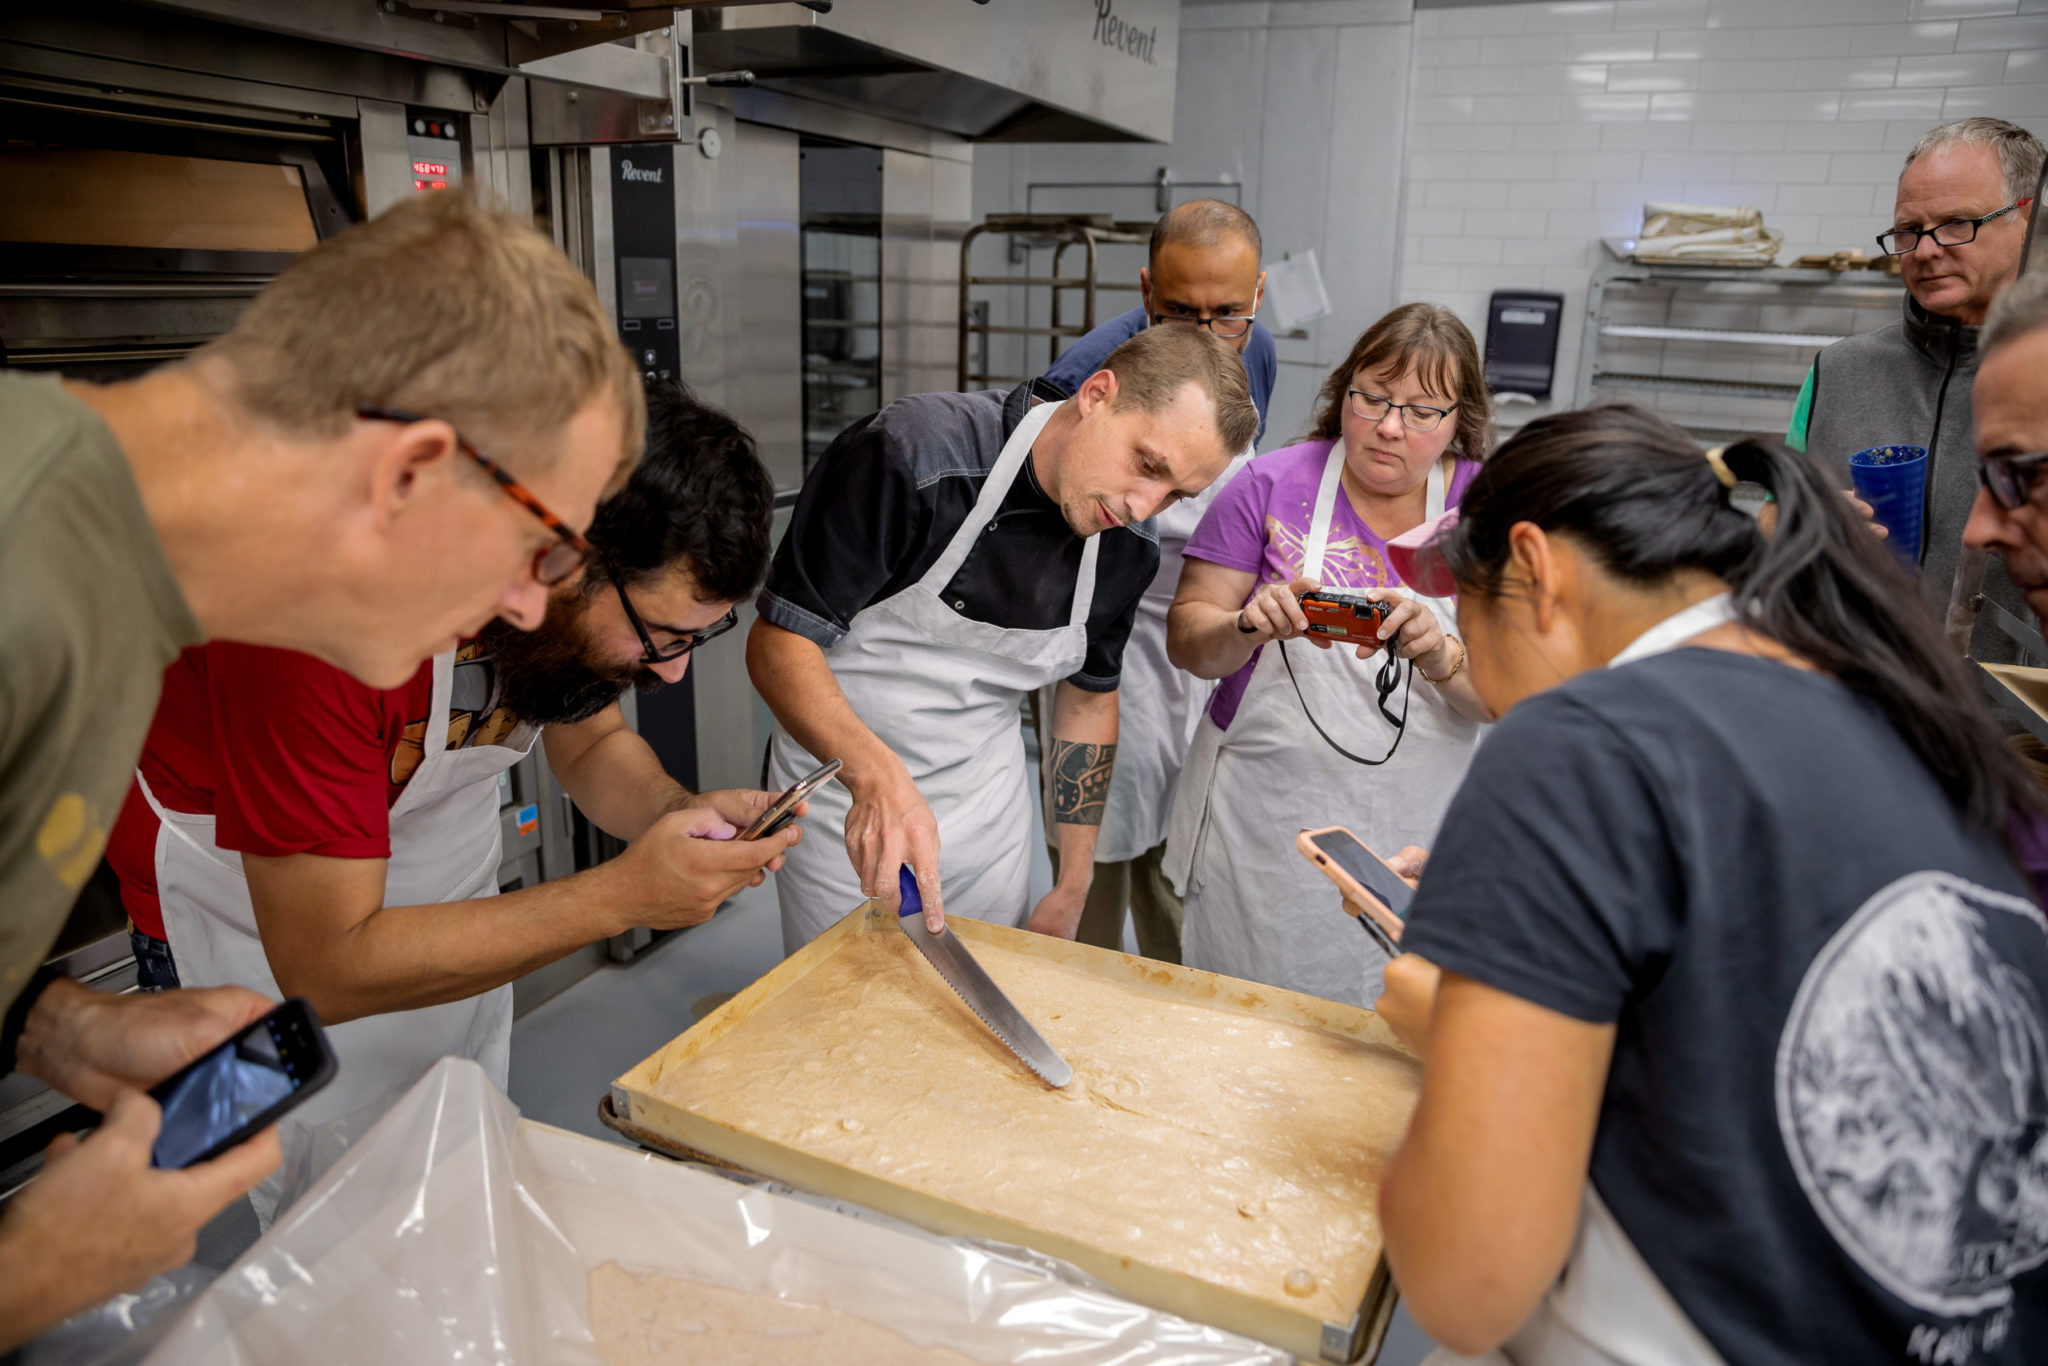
(1080, 781)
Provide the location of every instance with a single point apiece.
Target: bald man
(1964, 198)
(1203, 271)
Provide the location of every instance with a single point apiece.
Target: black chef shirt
(888, 495)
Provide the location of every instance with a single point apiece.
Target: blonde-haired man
(318, 479)
(947, 556)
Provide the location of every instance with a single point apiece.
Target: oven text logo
(1125, 37)
(628, 171)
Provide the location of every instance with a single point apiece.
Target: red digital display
(430, 184)
(429, 168)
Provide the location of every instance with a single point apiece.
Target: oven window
(76, 196)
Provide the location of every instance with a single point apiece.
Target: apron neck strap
(1676, 629)
(1326, 506)
(1084, 585)
(434, 740)
(994, 489)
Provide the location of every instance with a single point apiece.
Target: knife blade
(972, 984)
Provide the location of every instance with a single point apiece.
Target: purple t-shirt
(1259, 525)
(2029, 836)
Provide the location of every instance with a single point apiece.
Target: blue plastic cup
(1893, 480)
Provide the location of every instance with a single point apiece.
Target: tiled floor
(565, 1053)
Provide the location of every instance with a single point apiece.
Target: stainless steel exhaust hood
(1012, 71)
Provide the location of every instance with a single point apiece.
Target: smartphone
(784, 810)
(1360, 874)
(242, 1087)
(1344, 616)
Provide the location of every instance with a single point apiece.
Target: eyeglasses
(551, 563)
(2010, 478)
(688, 641)
(1230, 326)
(1954, 233)
(1416, 417)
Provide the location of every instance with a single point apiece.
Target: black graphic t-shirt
(1825, 1126)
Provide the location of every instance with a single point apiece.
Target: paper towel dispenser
(1521, 342)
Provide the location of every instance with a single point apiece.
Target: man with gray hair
(1964, 199)
(2010, 515)
(2009, 520)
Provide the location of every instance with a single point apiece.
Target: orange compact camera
(1345, 616)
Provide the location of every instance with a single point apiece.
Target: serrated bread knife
(972, 984)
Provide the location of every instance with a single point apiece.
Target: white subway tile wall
(1538, 128)
(1444, 154)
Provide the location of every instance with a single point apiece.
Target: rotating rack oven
(132, 232)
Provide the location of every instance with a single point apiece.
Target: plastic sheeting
(119, 1331)
(454, 1232)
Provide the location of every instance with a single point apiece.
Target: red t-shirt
(288, 754)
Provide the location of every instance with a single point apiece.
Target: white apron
(1158, 705)
(1255, 908)
(445, 846)
(1608, 1308)
(942, 691)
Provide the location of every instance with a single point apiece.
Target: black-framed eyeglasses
(685, 642)
(2010, 478)
(1416, 417)
(551, 563)
(1229, 326)
(1956, 232)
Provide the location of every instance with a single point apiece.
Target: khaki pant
(1139, 884)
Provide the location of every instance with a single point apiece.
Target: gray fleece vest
(1909, 384)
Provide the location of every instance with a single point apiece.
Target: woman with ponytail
(1729, 989)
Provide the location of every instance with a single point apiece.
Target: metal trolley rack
(1061, 232)
(1719, 349)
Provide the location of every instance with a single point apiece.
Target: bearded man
(297, 832)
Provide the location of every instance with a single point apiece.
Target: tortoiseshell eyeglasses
(551, 563)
